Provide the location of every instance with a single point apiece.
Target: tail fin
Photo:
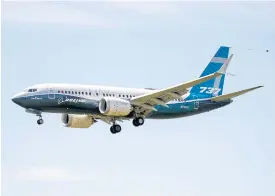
(214, 87)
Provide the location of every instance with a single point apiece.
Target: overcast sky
(229, 151)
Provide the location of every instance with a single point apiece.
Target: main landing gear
(138, 121)
(40, 121)
(115, 129)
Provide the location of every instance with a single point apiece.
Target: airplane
(81, 106)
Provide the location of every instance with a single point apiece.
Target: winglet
(235, 94)
(225, 65)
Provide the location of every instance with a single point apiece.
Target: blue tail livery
(213, 87)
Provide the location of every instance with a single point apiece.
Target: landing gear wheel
(115, 129)
(138, 121)
(40, 121)
(112, 130)
(135, 123)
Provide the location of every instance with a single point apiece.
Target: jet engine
(112, 106)
(77, 121)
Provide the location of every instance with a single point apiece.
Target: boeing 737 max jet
(83, 105)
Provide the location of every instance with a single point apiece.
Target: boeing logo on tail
(83, 105)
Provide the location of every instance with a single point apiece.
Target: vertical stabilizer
(214, 87)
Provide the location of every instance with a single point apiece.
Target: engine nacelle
(77, 121)
(112, 106)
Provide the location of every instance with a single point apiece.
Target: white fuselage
(94, 92)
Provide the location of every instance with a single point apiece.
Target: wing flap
(235, 94)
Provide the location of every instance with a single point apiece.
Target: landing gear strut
(138, 121)
(115, 129)
(40, 121)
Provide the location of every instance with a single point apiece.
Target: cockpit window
(32, 90)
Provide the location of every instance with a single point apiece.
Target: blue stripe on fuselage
(61, 103)
(177, 110)
(80, 105)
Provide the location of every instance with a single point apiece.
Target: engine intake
(112, 106)
(77, 121)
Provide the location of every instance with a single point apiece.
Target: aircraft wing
(107, 119)
(235, 94)
(161, 97)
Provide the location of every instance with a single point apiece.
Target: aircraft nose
(15, 99)
(18, 99)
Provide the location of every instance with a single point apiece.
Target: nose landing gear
(38, 113)
(40, 121)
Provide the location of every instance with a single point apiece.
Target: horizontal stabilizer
(235, 94)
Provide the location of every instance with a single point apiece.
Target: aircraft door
(196, 102)
(51, 94)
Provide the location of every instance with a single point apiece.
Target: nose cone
(18, 99)
(15, 100)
